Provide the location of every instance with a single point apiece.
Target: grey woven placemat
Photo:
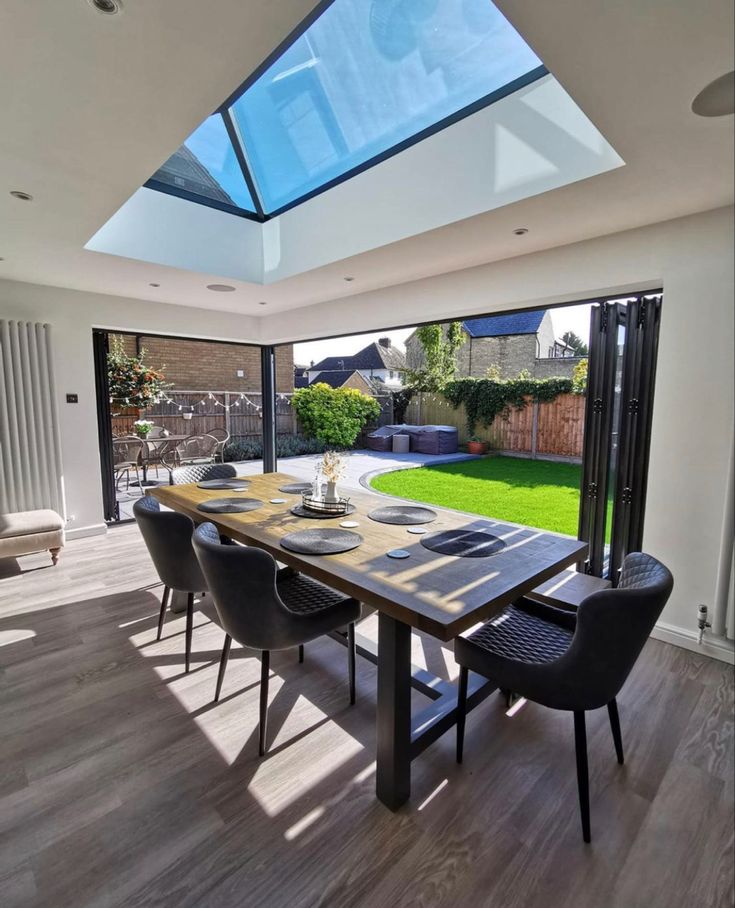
(403, 515)
(463, 543)
(300, 511)
(235, 485)
(296, 488)
(229, 505)
(321, 542)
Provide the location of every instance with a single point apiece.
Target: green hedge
(242, 448)
(334, 416)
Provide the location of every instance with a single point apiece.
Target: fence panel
(561, 426)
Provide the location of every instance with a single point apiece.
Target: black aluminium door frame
(104, 424)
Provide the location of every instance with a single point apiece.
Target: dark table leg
(393, 777)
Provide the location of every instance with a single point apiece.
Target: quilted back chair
(199, 472)
(167, 535)
(567, 661)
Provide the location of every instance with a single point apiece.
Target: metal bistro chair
(127, 453)
(194, 450)
(222, 436)
(267, 609)
(570, 661)
(199, 472)
(167, 535)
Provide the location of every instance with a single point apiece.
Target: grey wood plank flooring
(122, 784)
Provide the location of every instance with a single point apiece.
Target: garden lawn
(538, 493)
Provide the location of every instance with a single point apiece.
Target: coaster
(398, 553)
(229, 505)
(348, 524)
(296, 488)
(417, 531)
(278, 501)
(463, 543)
(235, 485)
(298, 510)
(321, 542)
(403, 515)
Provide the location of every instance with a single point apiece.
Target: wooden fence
(555, 428)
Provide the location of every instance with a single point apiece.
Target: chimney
(384, 342)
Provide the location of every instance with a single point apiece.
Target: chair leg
(301, 653)
(461, 710)
(351, 661)
(223, 665)
(189, 627)
(265, 659)
(162, 614)
(612, 708)
(583, 782)
(508, 697)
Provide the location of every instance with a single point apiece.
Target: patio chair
(195, 449)
(568, 661)
(267, 609)
(199, 472)
(127, 454)
(222, 436)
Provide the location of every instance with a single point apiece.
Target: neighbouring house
(300, 377)
(516, 342)
(380, 364)
(199, 365)
(347, 378)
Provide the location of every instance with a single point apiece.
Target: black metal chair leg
(508, 697)
(583, 783)
(265, 659)
(223, 665)
(301, 653)
(189, 627)
(162, 614)
(612, 708)
(461, 710)
(351, 660)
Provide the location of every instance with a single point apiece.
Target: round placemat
(321, 542)
(229, 505)
(403, 515)
(296, 488)
(234, 485)
(463, 543)
(299, 510)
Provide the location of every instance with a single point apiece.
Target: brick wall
(557, 367)
(207, 365)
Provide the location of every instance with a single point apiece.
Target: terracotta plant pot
(476, 447)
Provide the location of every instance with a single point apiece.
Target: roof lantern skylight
(359, 81)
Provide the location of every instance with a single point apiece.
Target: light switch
(72, 398)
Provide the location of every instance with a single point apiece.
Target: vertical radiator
(30, 450)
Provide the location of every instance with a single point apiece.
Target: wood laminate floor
(121, 783)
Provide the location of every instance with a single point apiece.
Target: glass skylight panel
(206, 166)
(366, 76)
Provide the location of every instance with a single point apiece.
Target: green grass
(537, 493)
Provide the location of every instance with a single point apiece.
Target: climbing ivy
(484, 399)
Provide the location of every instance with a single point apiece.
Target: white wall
(692, 259)
(72, 316)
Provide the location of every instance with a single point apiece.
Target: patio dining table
(441, 595)
(156, 444)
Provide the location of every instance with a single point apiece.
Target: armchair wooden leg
(351, 661)
(461, 710)
(612, 708)
(301, 653)
(222, 666)
(189, 627)
(583, 783)
(55, 552)
(162, 613)
(265, 659)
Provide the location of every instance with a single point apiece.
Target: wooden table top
(442, 595)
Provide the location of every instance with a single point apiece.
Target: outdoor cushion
(25, 523)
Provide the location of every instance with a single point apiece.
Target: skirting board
(716, 647)
(95, 529)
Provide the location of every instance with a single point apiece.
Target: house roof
(501, 325)
(374, 356)
(335, 378)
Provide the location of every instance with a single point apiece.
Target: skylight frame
(240, 151)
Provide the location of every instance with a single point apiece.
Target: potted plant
(132, 383)
(142, 427)
(476, 445)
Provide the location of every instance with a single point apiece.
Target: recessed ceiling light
(262, 303)
(108, 7)
(154, 285)
(716, 99)
(348, 279)
(521, 231)
(23, 196)
(220, 288)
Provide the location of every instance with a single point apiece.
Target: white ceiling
(92, 105)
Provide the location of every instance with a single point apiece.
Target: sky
(568, 318)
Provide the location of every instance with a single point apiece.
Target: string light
(242, 398)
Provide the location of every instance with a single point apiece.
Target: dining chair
(222, 436)
(574, 662)
(126, 456)
(266, 609)
(167, 535)
(195, 449)
(199, 472)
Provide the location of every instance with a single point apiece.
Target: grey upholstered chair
(570, 661)
(199, 472)
(267, 609)
(167, 535)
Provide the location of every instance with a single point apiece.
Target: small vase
(331, 494)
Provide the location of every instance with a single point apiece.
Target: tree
(576, 343)
(131, 382)
(440, 356)
(334, 415)
(579, 378)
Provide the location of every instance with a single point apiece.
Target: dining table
(442, 595)
(155, 448)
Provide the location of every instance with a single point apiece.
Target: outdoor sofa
(424, 439)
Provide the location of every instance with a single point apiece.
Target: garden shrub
(246, 448)
(334, 416)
